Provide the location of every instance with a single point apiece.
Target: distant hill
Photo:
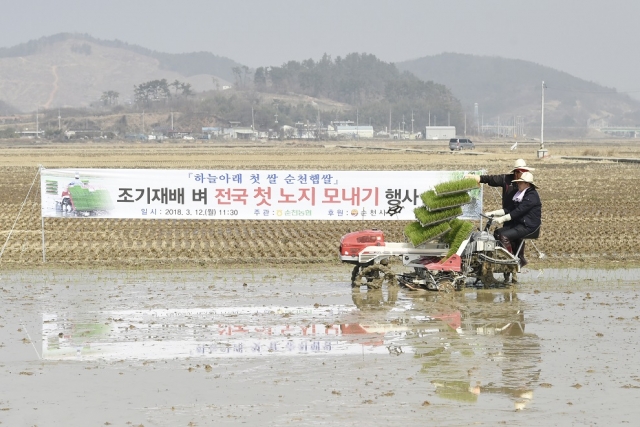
(379, 94)
(7, 109)
(504, 88)
(75, 69)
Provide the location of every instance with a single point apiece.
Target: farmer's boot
(506, 243)
(519, 245)
(523, 260)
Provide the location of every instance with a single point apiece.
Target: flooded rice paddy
(289, 346)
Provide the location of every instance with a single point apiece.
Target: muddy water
(285, 346)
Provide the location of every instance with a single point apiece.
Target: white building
(440, 132)
(349, 131)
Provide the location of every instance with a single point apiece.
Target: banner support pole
(44, 250)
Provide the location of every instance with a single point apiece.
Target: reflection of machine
(478, 257)
(374, 300)
(495, 320)
(79, 199)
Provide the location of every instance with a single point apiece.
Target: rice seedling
(455, 187)
(418, 234)
(433, 202)
(462, 231)
(430, 218)
(455, 225)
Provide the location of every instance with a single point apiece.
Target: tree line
(376, 89)
(371, 92)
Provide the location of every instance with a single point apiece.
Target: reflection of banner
(224, 332)
(241, 194)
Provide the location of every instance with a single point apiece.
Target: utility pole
(143, 121)
(411, 122)
(59, 119)
(542, 152)
(37, 125)
(465, 124)
(542, 119)
(389, 121)
(172, 121)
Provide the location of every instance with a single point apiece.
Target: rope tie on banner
(18, 216)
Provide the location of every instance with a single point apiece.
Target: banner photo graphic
(242, 194)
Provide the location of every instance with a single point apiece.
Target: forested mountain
(187, 64)
(75, 71)
(504, 88)
(375, 88)
(6, 109)
(71, 70)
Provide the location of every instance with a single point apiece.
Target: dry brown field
(590, 207)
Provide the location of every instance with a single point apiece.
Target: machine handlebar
(489, 221)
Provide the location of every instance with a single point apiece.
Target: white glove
(476, 177)
(499, 212)
(503, 218)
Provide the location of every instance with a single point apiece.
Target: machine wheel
(354, 276)
(376, 275)
(446, 286)
(486, 276)
(459, 283)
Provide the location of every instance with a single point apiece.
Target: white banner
(241, 194)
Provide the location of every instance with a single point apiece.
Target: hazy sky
(592, 39)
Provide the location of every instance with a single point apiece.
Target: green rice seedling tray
(52, 187)
(429, 224)
(86, 200)
(417, 234)
(433, 202)
(428, 218)
(436, 238)
(446, 207)
(455, 187)
(455, 238)
(455, 225)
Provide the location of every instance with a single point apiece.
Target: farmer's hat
(522, 165)
(526, 177)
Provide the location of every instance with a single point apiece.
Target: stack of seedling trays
(437, 219)
(52, 187)
(88, 200)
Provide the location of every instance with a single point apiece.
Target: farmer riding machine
(82, 200)
(444, 252)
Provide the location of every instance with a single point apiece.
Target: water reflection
(466, 344)
(375, 299)
(493, 354)
(473, 343)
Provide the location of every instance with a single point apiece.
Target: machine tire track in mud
(376, 275)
